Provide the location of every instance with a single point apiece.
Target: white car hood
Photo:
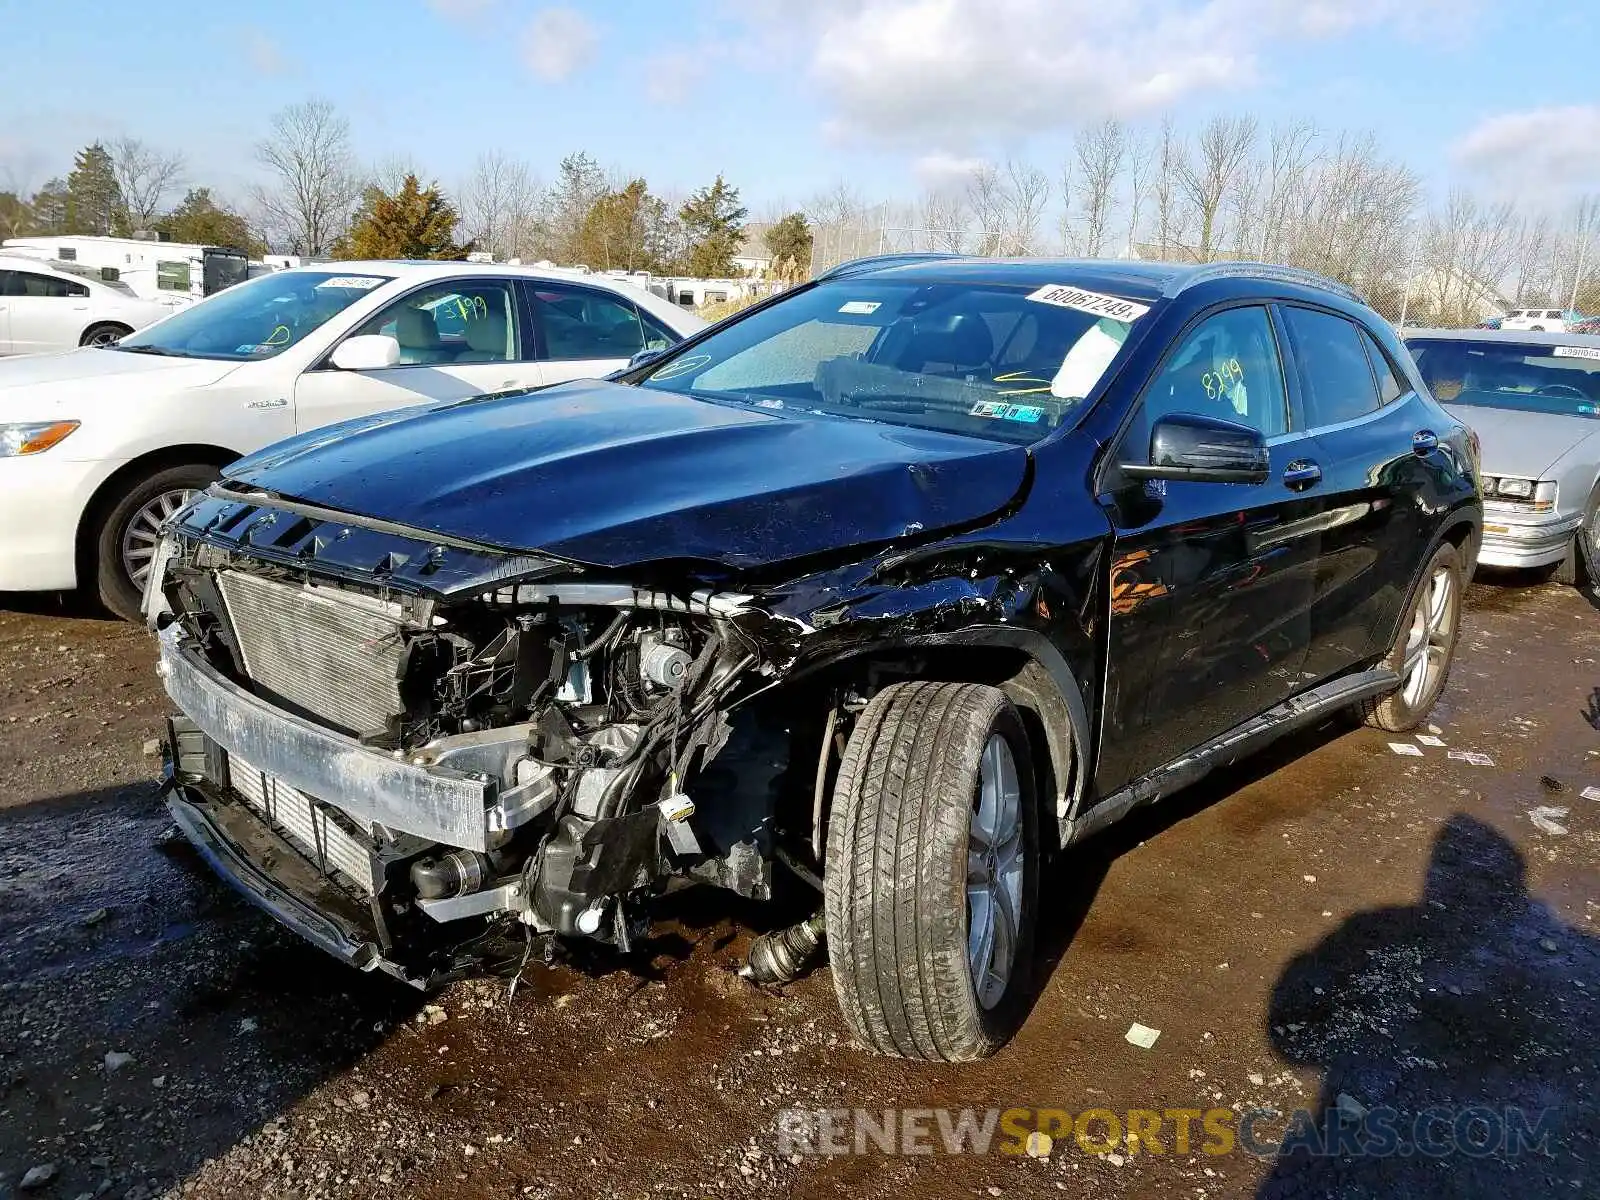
(36, 380)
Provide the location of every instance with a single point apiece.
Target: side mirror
(1204, 450)
(644, 356)
(366, 352)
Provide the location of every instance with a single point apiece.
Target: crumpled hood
(33, 380)
(612, 476)
(1524, 444)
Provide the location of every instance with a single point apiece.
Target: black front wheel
(105, 334)
(931, 875)
(125, 548)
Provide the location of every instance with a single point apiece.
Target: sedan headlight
(1536, 495)
(33, 437)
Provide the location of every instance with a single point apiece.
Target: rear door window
(1336, 380)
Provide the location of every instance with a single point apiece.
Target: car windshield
(1564, 380)
(992, 361)
(257, 319)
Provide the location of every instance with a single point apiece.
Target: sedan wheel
(143, 533)
(130, 531)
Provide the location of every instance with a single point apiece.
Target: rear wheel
(1424, 647)
(932, 872)
(125, 546)
(104, 334)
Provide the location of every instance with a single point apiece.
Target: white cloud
(940, 170)
(1545, 152)
(670, 77)
(559, 42)
(963, 71)
(264, 53)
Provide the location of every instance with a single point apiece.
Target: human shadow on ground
(1460, 1032)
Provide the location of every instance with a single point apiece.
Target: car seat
(486, 339)
(418, 336)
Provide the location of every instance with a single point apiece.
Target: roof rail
(1230, 270)
(857, 266)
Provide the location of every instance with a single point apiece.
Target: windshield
(257, 319)
(1563, 380)
(1009, 363)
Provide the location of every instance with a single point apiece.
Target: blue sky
(788, 97)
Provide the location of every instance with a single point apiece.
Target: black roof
(1132, 278)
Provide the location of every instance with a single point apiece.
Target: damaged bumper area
(417, 780)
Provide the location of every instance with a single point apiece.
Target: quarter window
(1226, 367)
(1389, 387)
(1337, 378)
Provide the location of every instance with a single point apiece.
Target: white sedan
(45, 307)
(98, 446)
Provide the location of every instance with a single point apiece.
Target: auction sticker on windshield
(1576, 352)
(1098, 303)
(360, 282)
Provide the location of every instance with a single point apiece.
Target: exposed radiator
(320, 837)
(335, 654)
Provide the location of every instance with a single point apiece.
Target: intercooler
(335, 654)
(319, 835)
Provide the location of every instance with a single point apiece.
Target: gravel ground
(1333, 926)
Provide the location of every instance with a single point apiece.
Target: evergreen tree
(94, 201)
(713, 222)
(789, 239)
(199, 219)
(415, 222)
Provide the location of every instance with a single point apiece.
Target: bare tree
(1140, 158)
(942, 214)
(1206, 181)
(1468, 247)
(500, 206)
(146, 177)
(1101, 151)
(308, 204)
(1172, 161)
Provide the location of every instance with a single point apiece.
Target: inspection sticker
(1000, 411)
(1100, 305)
(1576, 351)
(355, 282)
(860, 308)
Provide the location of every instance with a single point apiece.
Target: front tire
(931, 875)
(1424, 647)
(125, 545)
(1579, 566)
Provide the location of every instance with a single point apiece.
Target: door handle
(1424, 441)
(1301, 474)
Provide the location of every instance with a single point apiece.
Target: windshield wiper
(158, 350)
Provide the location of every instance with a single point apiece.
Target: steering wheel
(1565, 390)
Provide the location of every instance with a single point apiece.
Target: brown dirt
(1330, 918)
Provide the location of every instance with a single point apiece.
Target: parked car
(1534, 400)
(903, 580)
(101, 445)
(1539, 320)
(46, 307)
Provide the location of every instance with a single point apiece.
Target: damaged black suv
(901, 581)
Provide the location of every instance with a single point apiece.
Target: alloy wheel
(1430, 638)
(994, 873)
(143, 532)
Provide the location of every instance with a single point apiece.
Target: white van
(1538, 320)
